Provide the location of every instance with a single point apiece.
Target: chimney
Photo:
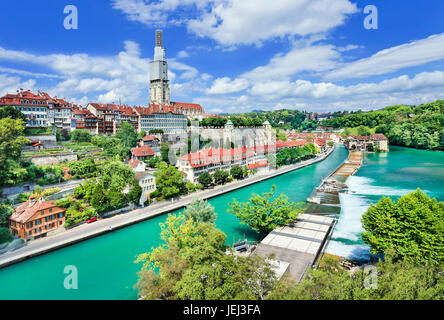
(31, 201)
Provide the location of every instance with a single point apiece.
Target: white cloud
(252, 21)
(411, 54)
(155, 13)
(226, 85)
(124, 76)
(183, 54)
(312, 58)
(233, 22)
(12, 84)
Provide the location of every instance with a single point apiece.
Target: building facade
(35, 218)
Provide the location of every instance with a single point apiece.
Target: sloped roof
(27, 209)
(142, 151)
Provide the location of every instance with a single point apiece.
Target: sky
(230, 56)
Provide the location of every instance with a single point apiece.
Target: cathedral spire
(159, 83)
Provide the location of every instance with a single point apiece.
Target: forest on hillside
(418, 127)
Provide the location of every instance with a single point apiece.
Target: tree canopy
(413, 227)
(191, 264)
(266, 212)
(200, 210)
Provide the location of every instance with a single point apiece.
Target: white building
(147, 181)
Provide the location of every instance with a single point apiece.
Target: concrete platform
(299, 245)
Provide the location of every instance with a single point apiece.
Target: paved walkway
(87, 231)
(299, 245)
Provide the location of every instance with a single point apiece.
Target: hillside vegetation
(416, 127)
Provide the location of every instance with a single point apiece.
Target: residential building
(105, 118)
(362, 142)
(60, 113)
(147, 181)
(84, 119)
(35, 218)
(137, 165)
(33, 106)
(192, 165)
(260, 167)
(142, 153)
(151, 141)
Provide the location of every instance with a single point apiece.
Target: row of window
(31, 109)
(33, 102)
(47, 219)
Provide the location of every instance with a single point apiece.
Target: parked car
(91, 220)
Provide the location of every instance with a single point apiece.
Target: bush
(205, 179)
(5, 236)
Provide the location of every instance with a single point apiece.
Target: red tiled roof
(378, 136)
(27, 209)
(149, 138)
(187, 106)
(142, 151)
(257, 165)
(133, 163)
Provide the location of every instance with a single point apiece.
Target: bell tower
(159, 83)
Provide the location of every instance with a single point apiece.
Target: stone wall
(43, 138)
(54, 159)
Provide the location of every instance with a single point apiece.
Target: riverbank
(88, 231)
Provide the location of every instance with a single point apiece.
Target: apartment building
(35, 218)
(33, 106)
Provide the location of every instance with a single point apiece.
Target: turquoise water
(105, 264)
(391, 174)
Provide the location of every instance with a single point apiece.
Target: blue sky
(228, 55)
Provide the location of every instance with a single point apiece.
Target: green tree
(191, 264)
(127, 136)
(164, 151)
(11, 142)
(169, 181)
(200, 210)
(205, 179)
(265, 212)
(413, 227)
(400, 280)
(220, 176)
(81, 135)
(5, 212)
(5, 235)
(236, 172)
(12, 113)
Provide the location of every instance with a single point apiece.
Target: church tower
(159, 83)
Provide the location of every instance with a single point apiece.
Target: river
(106, 268)
(391, 174)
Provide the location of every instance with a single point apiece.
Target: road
(87, 231)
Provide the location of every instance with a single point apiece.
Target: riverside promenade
(87, 231)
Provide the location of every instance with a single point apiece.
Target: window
(37, 222)
(43, 212)
(47, 219)
(61, 215)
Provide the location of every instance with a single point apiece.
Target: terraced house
(33, 106)
(35, 218)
